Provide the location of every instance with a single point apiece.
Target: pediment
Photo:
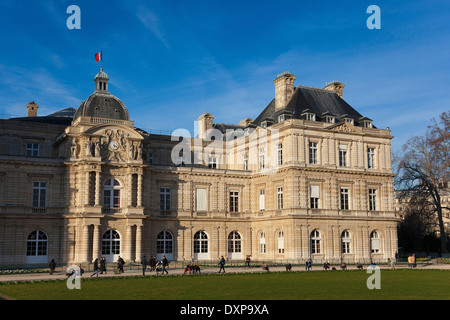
(110, 143)
(345, 127)
(108, 129)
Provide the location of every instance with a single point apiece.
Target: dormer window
(281, 118)
(310, 116)
(368, 124)
(349, 120)
(264, 124)
(329, 119)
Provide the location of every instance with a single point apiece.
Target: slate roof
(321, 102)
(62, 117)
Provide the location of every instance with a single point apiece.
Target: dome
(101, 75)
(102, 104)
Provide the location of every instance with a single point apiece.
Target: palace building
(309, 178)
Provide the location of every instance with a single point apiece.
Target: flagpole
(101, 60)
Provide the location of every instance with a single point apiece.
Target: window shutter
(315, 191)
(201, 199)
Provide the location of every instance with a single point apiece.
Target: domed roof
(102, 104)
(101, 75)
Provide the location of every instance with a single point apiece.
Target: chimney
(335, 86)
(284, 88)
(32, 109)
(205, 122)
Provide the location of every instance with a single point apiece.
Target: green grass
(330, 285)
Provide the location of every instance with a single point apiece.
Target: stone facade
(97, 186)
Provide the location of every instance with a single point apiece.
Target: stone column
(85, 244)
(87, 186)
(139, 191)
(97, 189)
(130, 189)
(96, 243)
(138, 243)
(128, 244)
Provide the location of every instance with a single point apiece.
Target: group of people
(412, 261)
(100, 266)
(192, 267)
(153, 265)
(162, 266)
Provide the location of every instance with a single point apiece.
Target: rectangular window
(314, 197)
(261, 158)
(201, 199)
(245, 162)
(212, 163)
(344, 198)
(164, 198)
(262, 200)
(372, 199)
(310, 117)
(345, 246)
(234, 201)
(281, 118)
(313, 153)
(280, 198)
(39, 194)
(32, 149)
(371, 158)
(330, 119)
(151, 158)
(280, 154)
(342, 155)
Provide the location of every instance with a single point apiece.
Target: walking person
(308, 265)
(102, 265)
(144, 265)
(247, 261)
(222, 264)
(120, 264)
(152, 263)
(95, 268)
(52, 266)
(165, 263)
(410, 261)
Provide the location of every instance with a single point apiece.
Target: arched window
(346, 240)
(111, 193)
(280, 241)
(374, 242)
(234, 242)
(262, 242)
(201, 244)
(164, 245)
(37, 243)
(316, 240)
(234, 245)
(111, 245)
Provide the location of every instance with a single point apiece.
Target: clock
(114, 145)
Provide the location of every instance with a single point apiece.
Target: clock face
(114, 145)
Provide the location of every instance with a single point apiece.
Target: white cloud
(152, 23)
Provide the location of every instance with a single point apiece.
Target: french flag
(99, 56)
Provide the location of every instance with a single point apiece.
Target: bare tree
(424, 167)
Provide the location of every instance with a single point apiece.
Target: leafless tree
(424, 169)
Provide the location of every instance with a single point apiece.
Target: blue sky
(170, 61)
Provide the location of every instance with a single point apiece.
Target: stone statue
(97, 148)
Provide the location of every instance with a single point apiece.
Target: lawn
(318, 285)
